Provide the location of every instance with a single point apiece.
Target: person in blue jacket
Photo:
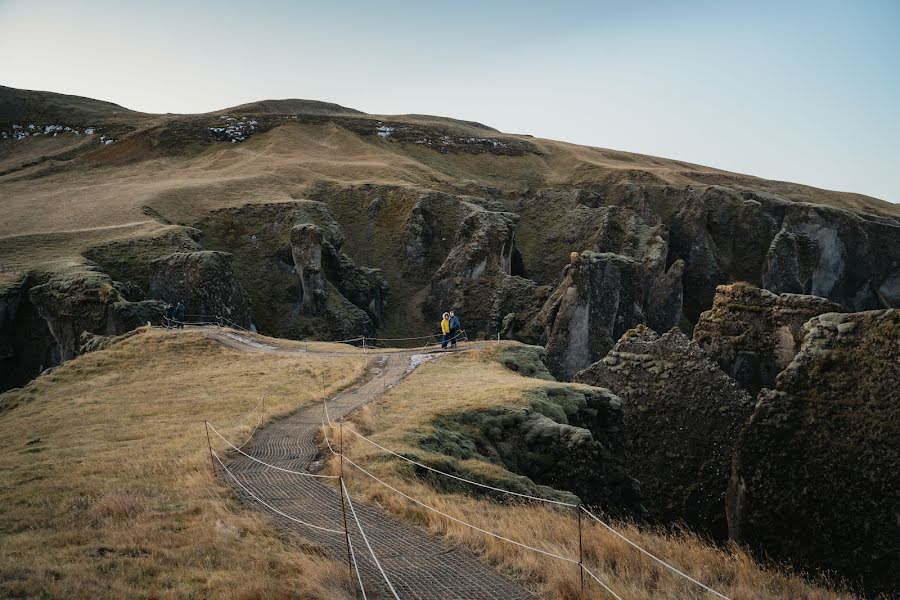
(454, 329)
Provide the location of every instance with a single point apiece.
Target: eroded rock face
(43, 315)
(482, 268)
(599, 299)
(288, 258)
(566, 438)
(682, 416)
(26, 345)
(204, 281)
(306, 251)
(815, 475)
(754, 334)
(727, 235)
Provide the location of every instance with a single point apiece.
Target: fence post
(209, 445)
(342, 448)
(346, 532)
(580, 548)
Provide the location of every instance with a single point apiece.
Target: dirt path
(418, 564)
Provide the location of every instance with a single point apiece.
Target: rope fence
(345, 497)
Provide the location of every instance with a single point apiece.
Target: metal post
(209, 445)
(346, 532)
(580, 548)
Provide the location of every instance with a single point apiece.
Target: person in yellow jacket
(445, 330)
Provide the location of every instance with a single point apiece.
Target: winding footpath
(418, 564)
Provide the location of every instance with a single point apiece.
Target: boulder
(204, 281)
(682, 416)
(754, 334)
(816, 472)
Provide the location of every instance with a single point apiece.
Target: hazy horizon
(806, 93)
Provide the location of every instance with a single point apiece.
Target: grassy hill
(107, 490)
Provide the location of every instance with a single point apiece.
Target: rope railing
(269, 506)
(366, 539)
(657, 559)
(457, 477)
(264, 463)
(511, 493)
(457, 520)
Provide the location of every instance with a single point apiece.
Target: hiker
(454, 329)
(167, 319)
(179, 315)
(445, 330)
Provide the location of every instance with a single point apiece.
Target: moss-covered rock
(816, 475)
(526, 360)
(288, 258)
(566, 438)
(682, 416)
(754, 334)
(204, 281)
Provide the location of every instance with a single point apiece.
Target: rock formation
(682, 416)
(599, 299)
(204, 281)
(482, 277)
(306, 251)
(754, 334)
(288, 258)
(815, 475)
(567, 438)
(43, 315)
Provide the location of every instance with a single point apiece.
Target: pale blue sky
(805, 91)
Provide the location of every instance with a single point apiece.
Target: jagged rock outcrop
(204, 281)
(599, 299)
(815, 475)
(754, 334)
(682, 416)
(306, 251)
(42, 317)
(288, 258)
(482, 277)
(664, 300)
(727, 235)
(26, 345)
(567, 438)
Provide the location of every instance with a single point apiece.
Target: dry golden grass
(106, 489)
(472, 381)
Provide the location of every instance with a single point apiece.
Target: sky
(796, 90)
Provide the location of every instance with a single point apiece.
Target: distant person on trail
(454, 329)
(445, 330)
(179, 315)
(167, 319)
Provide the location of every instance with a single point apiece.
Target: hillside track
(418, 564)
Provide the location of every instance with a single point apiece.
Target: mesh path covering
(418, 564)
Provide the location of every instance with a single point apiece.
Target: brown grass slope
(106, 488)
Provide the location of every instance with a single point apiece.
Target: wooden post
(342, 448)
(209, 445)
(580, 548)
(346, 532)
